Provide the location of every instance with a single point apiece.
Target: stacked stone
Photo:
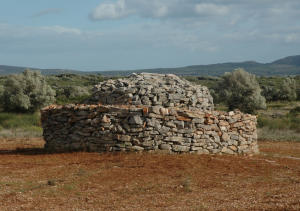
(151, 90)
(149, 128)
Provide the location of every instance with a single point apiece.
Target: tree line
(30, 90)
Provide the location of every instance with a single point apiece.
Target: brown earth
(33, 180)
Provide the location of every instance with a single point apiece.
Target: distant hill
(290, 60)
(6, 70)
(285, 66)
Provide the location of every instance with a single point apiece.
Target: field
(33, 180)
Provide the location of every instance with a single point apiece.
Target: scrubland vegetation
(278, 119)
(274, 99)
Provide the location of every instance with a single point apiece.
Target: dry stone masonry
(152, 90)
(156, 123)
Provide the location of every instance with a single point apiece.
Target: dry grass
(278, 135)
(32, 180)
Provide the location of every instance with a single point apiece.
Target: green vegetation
(24, 92)
(280, 121)
(15, 120)
(18, 124)
(240, 90)
(72, 88)
(279, 88)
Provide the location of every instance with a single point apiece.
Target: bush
(271, 93)
(1, 93)
(288, 89)
(76, 91)
(28, 91)
(279, 88)
(240, 90)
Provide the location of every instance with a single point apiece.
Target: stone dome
(150, 89)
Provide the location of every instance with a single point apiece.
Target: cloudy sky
(132, 34)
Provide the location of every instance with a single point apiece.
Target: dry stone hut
(149, 112)
(153, 90)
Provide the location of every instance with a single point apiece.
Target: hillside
(285, 66)
(290, 60)
(6, 70)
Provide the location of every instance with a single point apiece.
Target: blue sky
(133, 34)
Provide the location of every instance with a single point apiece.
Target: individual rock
(179, 148)
(136, 120)
(136, 148)
(226, 150)
(165, 147)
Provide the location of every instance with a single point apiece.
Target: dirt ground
(33, 180)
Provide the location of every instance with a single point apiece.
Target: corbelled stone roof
(153, 89)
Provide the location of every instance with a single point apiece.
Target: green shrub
(295, 111)
(1, 95)
(240, 90)
(75, 91)
(288, 89)
(28, 91)
(1, 90)
(278, 88)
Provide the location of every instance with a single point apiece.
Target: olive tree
(27, 91)
(288, 89)
(240, 90)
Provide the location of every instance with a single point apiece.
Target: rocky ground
(33, 180)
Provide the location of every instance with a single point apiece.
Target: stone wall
(151, 89)
(150, 128)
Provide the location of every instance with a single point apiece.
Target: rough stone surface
(149, 112)
(133, 128)
(151, 89)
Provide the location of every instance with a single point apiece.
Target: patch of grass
(277, 104)
(21, 132)
(288, 121)
(278, 135)
(19, 120)
(273, 123)
(20, 125)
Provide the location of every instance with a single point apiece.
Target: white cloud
(20, 32)
(211, 9)
(62, 30)
(110, 11)
(292, 38)
(161, 11)
(157, 9)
